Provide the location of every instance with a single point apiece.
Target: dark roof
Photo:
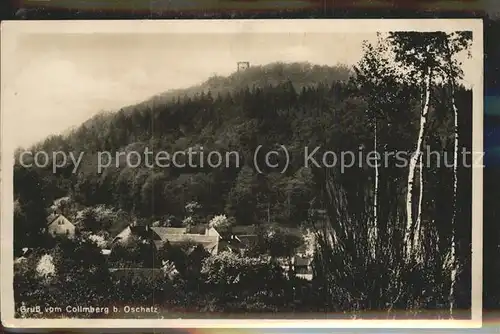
(225, 245)
(232, 245)
(159, 244)
(145, 232)
(208, 242)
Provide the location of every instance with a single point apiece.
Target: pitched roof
(139, 231)
(161, 231)
(212, 230)
(61, 218)
(198, 229)
(232, 245)
(159, 244)
(124, 234)
(145, 232)
(198, 238)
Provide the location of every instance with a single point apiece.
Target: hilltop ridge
(300, 74)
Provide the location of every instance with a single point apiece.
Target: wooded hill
(296, 105)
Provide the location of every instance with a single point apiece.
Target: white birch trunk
(374, 233)
(453, 260)
(413, 163)
(416, 236)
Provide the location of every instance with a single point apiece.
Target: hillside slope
(276, 103)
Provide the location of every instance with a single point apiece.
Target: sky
(57, 81)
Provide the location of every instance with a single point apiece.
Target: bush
(231, 278)
(187, 257)
(221, 223)
(80, 277)
(136, 253)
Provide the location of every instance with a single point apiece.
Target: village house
(209, 242)
(237, 239)
(172, 230)
(303, 267)
(173, 235)
(166, 224)
(58, 225)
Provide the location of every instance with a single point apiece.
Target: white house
(61, 226)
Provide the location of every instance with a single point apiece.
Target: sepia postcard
(242, 173)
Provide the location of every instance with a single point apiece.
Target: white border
(11, 30)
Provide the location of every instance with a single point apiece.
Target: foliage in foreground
(224, 283)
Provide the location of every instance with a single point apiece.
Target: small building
(172, 235)
(303, 267)
(243, 65)
(61, 226)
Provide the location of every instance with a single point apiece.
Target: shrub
(73, 273)
(187, 257)
(221, 223)
(230, 277)
(45, 267)
(136, 253)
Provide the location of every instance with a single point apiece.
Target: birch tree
(376, 80)
(416, 52)
(453, 44)
(430, 58)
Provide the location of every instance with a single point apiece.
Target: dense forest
(392, 237)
